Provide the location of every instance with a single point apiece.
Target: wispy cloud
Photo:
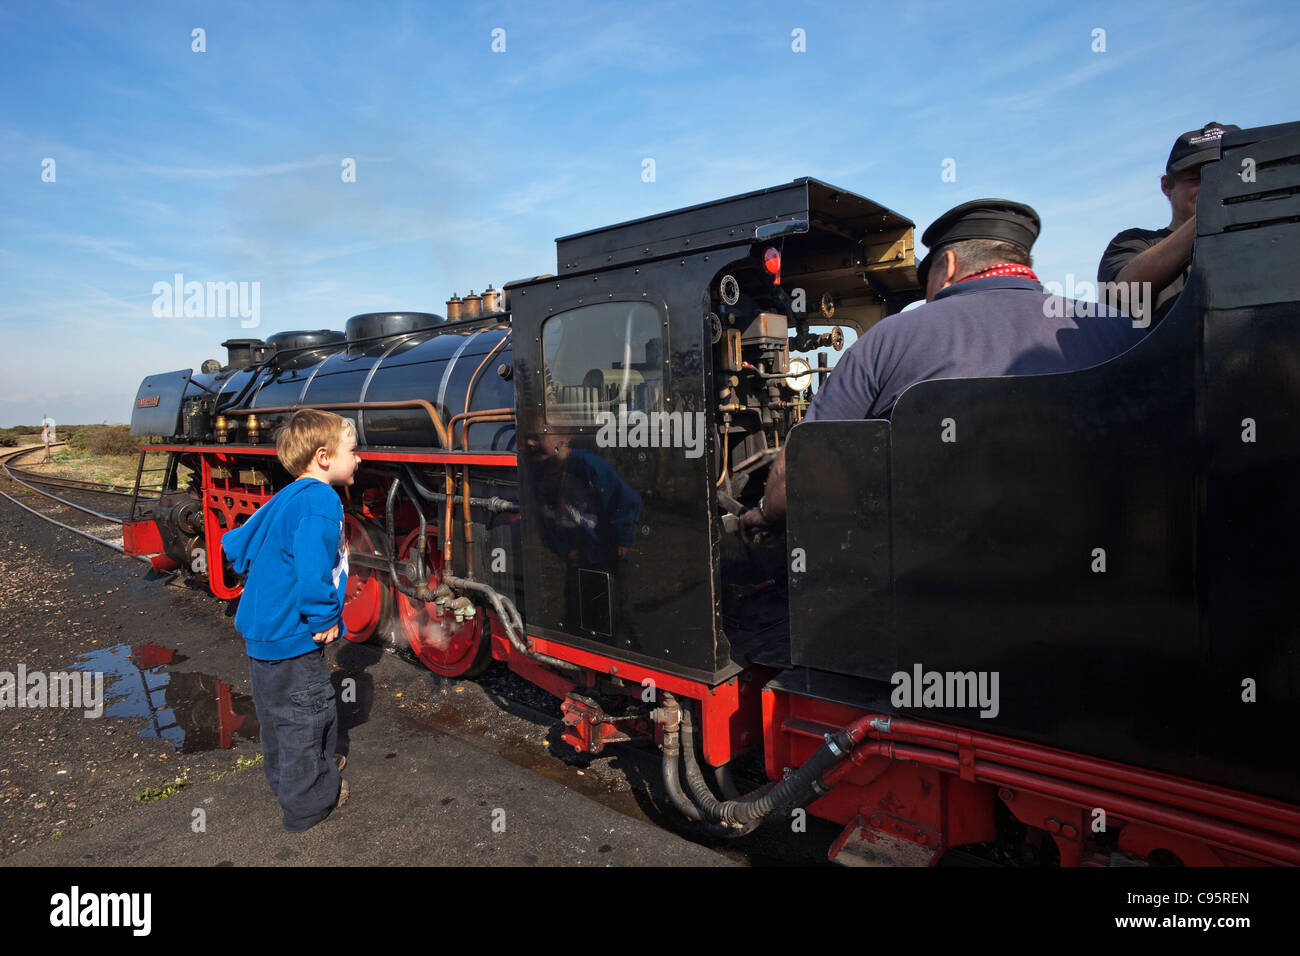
(232, 172)
(115, 250)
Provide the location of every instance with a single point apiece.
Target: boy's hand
(324, 637)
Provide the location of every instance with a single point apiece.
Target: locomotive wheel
(368, 601)
(445, 647)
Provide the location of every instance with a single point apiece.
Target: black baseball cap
(999, 219)
(1197, 147)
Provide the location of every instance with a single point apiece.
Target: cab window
(598, 357)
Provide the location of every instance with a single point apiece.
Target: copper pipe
(449, 487)
(464, 431)
(451, 423)
(473, 379)
(726, 447)
(438, 426)
(450, 484)
(473, 418)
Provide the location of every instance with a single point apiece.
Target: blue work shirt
(1004, 325)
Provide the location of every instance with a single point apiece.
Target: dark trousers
(295, 707)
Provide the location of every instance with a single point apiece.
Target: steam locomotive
(552, 473)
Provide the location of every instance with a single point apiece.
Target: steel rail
(4, 461)
(63, 501)
(95, 487)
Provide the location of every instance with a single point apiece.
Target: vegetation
(154, 794)
(19, 435)
(103, 440)
(101, 453)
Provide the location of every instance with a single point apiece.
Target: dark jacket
(984, 327)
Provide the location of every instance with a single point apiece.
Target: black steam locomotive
(1069, 629)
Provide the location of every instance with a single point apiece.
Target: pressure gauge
(800, 376)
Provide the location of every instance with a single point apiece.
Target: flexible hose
(753, 807)
(672, 781)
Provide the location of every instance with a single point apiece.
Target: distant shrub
(76, 438)
(102, 440)
(19, 435)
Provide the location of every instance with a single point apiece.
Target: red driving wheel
(368, 600)
(445, 647)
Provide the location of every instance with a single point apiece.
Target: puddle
(192, 712)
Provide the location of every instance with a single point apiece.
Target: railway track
(79, 517)
(56, 481)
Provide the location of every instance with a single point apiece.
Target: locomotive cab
(653, 389)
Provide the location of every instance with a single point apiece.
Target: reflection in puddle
(192, 712)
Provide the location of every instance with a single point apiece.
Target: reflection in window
(599, 357)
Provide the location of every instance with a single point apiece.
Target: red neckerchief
(1002, 269)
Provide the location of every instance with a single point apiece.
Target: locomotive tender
(551, 475)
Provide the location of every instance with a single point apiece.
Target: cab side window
(598, 357)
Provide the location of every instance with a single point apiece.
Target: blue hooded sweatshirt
(298, 555)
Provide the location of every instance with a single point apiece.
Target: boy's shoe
(343, 794)
(341, 760)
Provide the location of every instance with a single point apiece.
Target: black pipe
(670, 717)
(672, 755)
(752, 808)
(726, 782)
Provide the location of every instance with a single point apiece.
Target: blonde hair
(309, 429)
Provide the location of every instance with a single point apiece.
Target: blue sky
(226, 165)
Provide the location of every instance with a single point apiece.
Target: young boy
(291, 605)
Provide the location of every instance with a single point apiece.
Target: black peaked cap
(1197, 146)
(999, 219)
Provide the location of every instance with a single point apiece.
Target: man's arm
(1159, 264)
(773, 503)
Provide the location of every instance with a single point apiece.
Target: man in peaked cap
(1007, 228)
(1161, 256)
(986, 314)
